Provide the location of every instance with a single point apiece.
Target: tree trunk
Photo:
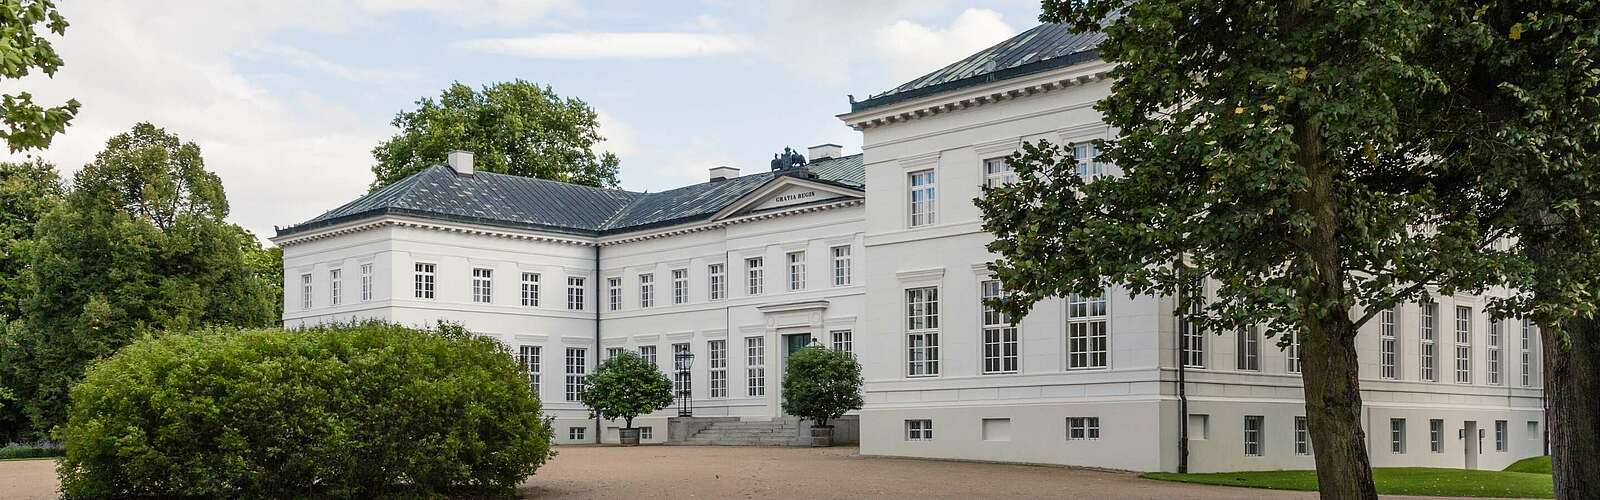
(1572, 391)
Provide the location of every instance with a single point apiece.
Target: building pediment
(786, 192)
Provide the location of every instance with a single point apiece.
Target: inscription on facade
(794, 197)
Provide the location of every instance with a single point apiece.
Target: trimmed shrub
(821, 384)
(626, 386)
(365, 410)
(19, 451)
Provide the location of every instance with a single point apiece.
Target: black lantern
(682, 361)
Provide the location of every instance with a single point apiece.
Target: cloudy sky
(286, 98)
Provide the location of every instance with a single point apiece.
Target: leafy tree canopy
(28, 190)
(23, 49)
(626, 386)
(516, 127)
(821, 384)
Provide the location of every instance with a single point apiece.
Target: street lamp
(682, 361)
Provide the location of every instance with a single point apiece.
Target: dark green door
(796, 342)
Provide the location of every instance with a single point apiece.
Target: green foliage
(1531, 465)
(626, 386)
(821, 384)
(27, 192)
(1417, 481)
(23, 48)
(515, 127)
(139, 244)
(349, 411)
(18, 452)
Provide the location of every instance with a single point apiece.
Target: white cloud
(307, 60)
(912, 50)
(663, 45)
(620, 138)
(477, 12)
(706, 22)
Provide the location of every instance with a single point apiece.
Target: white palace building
(882, 254)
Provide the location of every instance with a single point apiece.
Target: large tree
(139, 244)
(1261, 154)
(28, 190)
(515, 127)
(23, 49)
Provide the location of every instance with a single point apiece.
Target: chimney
(723, 173)
(821, 151)
(460, 161)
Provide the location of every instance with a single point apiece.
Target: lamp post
(682, 361)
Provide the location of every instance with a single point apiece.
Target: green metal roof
(1045, 47)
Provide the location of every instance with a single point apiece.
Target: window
(482, 285)
(717, 350)
(1533, 430)
(999, 335)
(366, 282)
(998, 172)
(1430, 313)
(1388, 348)
(530, 289)
(1500, 435)
(612, 352)
(924, 199)
(1088, 157)
(680, 373)
(1086, 332)
(1192, 339)
(648, 352)
(574, 293)
(1436, 436)
(755, 366)
(614, 293)
(1495, 358)
(1302, 437)
(1248, 353)
(922, 332)
(718, 279)
(646, 433)
(528, 359)
(305, 291)
(842, 341)
(1463, 345)
(841, 265)
(919, 430)
(1526, 359)
(1083, 428)
(1253, 425)
(680, 286)
(335, 286)
(797, 270)
(1294, 353)
(647, 290)
(424, 281)
(1397, 436)
(575, 433)
(576, 356)
(997, 429)
(755, 278)
(1199, 427)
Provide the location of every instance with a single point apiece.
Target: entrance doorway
(791, 342)
(1469, 434)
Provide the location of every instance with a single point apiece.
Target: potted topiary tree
(626, 386)
(821, 385)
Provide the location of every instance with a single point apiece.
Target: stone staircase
(781, 432)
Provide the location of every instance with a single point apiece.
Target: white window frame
(1525, 358)
(1501, 439)
(717, 279)
(755, 275)
(1436, 435)
(1001, 339)
(528, 358)
(576, 433)
(335, 286)
(680, 286)
(755, 366)
(796, 261)
(923, 198)
(648, 352)
(647, 290)
(1088, 336)
(482, 285)
(922, 331)
(577, 371)
(1428, 338)
(1292, 359)
(1192, 339)
(843, 341)
(530, 289)
(1087, 155)
(998, 172)
(919, 429)
(1463, 345)
(424, 280)
(841, 265)
(717, 354)
(1083, 428)
(612, 352)
(1388, 347)
(306, 292)
(1255, 435)
(1248, 349)
(1494, 355)
(614, 292)
(1302, 436)
(1397, 436)
(575, 294)
(366, 282)
(682, 380)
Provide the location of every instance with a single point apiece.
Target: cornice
(956, 100)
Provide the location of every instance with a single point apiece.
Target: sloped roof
(1045, 47)
(526, 203)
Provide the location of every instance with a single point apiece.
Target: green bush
(366, 410)
(14, 451)
(625, 387)
(821, 384)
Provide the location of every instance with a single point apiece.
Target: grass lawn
(1391, 481)
(1536, 465)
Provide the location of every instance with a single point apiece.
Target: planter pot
(629, 437)
(822, 436)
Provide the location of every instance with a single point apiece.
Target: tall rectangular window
(999, 335)
(1500, 435)
(1088, 157)
(614, 293)
(1430, 315)
(717, 351)
(335, 286)
(1302, 437)
(755, 366)
(1253, 426)
(1494, 355)
(680, 286)
(305, 291)
(1087, 333)
(1083, 428)
(574, 293)
(1436, 436)
(530, 289)
(612, 352)
(797, 270)
(842, 341)
(1525, 359)
(924, 199)
(1388, 348)
(648, 352)
(647, 290)
(718, 281)
(998, 172)
(919, 430)
(1247, 355)
(1463, 345)
(1293, 352)
(1397, 436)
(482, 285)
(681, 382)
(754, 275)
(423, 279)
(922, 331)
(841, 265)
(366, 282)
(528, 358)
(577, 357)
(1192, 339)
